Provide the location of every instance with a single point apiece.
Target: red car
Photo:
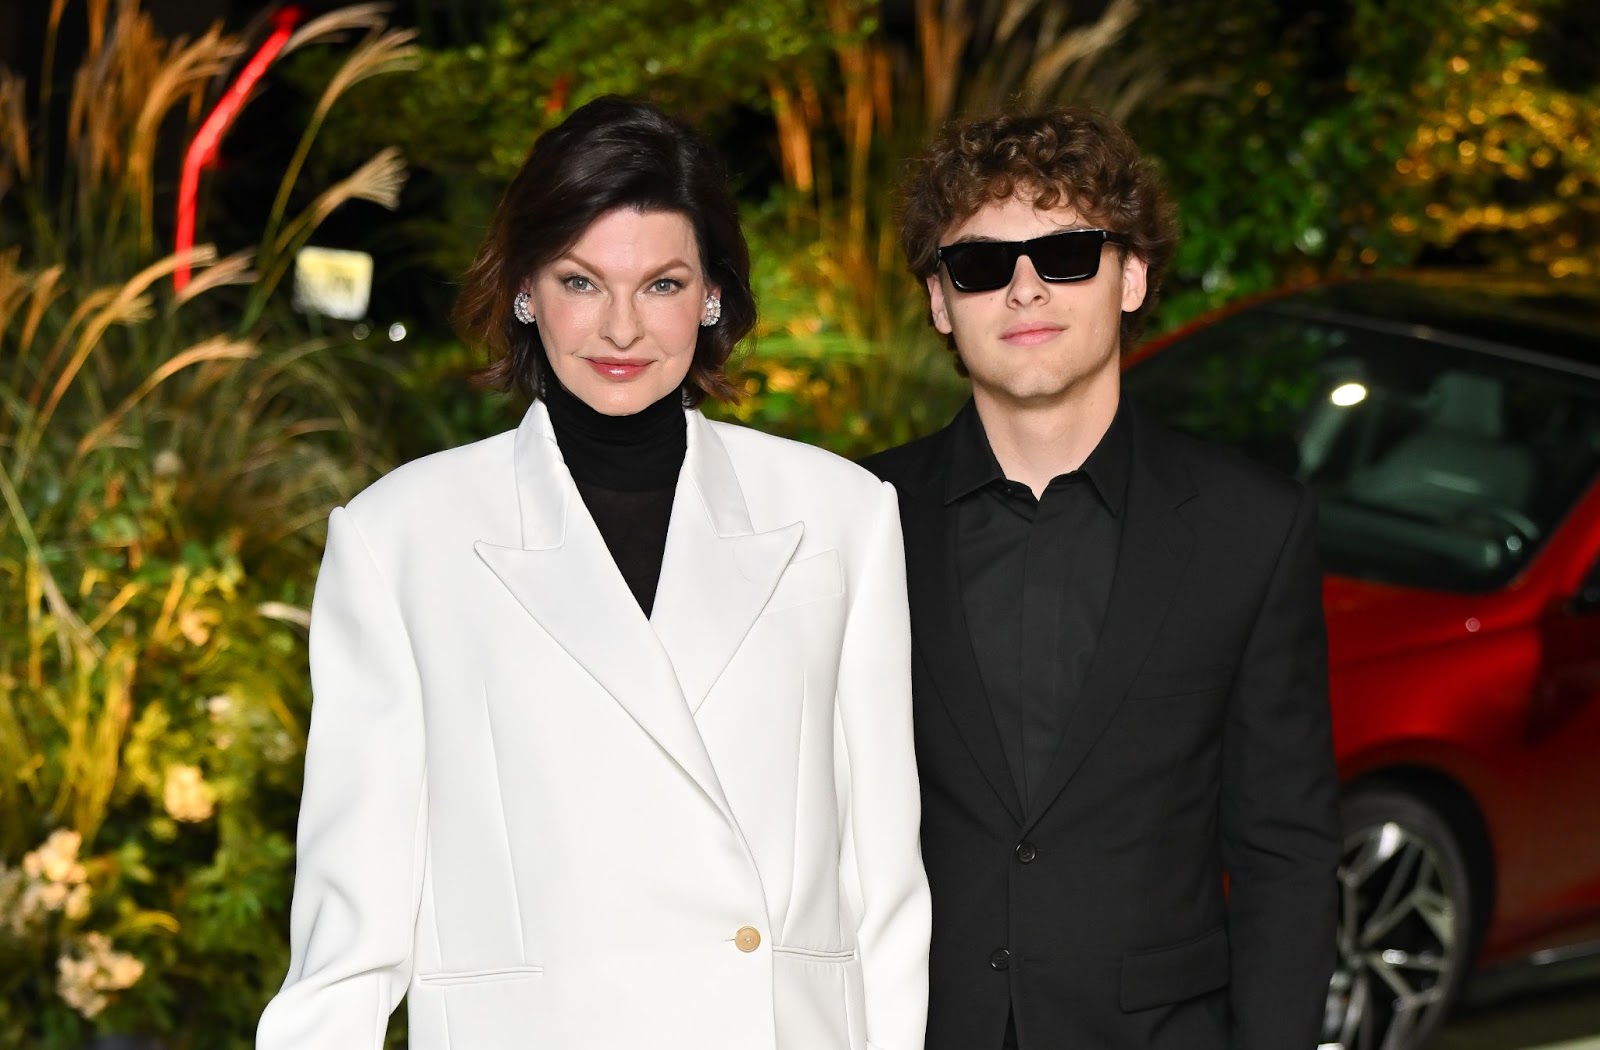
(1451, 427)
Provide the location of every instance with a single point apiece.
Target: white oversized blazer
(545, 819)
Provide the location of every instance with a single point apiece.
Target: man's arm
(1280, 830)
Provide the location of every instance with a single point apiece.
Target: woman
(611, 738)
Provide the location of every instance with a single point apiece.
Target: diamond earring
(713, 311)
(519, 308)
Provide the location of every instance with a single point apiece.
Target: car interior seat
(1457, 461)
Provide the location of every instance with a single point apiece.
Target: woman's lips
(1031, 334)
(616, 368)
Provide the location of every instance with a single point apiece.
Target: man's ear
(1134, 271)
(937, 306)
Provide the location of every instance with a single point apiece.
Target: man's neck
(1037, 442)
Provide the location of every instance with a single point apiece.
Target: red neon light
(202, 151)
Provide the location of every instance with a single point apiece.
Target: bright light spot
(1346, 394)
(397, 332)
(1389, 840)
(1395, 957)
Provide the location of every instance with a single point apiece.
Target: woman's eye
(577, 282)
(665, 285)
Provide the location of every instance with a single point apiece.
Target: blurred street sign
(333, 282)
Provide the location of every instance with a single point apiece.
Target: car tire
(1405, 922)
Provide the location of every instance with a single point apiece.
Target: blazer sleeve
(882, 857)
(1280, 838)
(362, 815)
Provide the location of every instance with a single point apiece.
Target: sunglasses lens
(981, 266)
(1070, 256)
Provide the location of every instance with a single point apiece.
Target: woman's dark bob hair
(611, 153)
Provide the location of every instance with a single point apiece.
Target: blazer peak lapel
(943, 641)
(568, 582)
(718, 572)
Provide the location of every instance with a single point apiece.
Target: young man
(1120, 682)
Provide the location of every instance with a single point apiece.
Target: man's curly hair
(1073, 156)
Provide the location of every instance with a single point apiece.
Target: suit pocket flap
(1150, 685)
(1158, 976)
(807, 580)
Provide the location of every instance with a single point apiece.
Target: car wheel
(1405, 923)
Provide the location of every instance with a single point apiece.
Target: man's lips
(1031, 334)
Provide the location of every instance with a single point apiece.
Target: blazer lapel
(565, 578)
(1151, 557)
(718, 570)
(939, 627)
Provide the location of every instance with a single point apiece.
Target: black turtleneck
(626, 469)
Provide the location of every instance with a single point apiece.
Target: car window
(1437, 466)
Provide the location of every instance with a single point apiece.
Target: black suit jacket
(1199, 747)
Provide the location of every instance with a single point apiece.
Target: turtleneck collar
(636, 453)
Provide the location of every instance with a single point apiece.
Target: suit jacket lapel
(565, 578)
(939, 627)
(718, 571)
(1151, 557)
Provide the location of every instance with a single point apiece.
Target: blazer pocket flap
(1159, 976)
(1149, 685)
(499, 973)
(807, 580)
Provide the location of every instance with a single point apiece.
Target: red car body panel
(1500, 693)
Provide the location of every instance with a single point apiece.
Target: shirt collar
(973, 466)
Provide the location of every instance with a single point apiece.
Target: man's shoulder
(915, 460)
(1219, 471)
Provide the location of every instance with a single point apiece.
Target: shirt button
(748, 939)
(1026, 853)
(1001, 959)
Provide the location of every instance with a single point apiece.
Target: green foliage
(164, 474)
(470, 112)
(1400, 134)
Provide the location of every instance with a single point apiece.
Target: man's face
(1034, 342)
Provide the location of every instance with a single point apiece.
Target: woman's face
(620, 310)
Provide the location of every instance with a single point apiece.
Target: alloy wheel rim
(1398, 946)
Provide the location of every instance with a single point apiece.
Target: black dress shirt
(626, 469)
(1035, 581)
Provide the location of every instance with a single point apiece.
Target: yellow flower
(187, 796)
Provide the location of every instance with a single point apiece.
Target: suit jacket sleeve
(1279, 809)
(882, 859)
(362, 815)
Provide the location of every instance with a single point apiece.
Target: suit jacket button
(1001, 959)
(1026, 853)
(748, 939)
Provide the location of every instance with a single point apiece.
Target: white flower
(82, 980)
(186, 794)
(77, 906)
(57, 859)
(167, 464)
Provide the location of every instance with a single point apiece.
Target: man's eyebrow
(979, 238)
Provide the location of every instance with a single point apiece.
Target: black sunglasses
(983, 266)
